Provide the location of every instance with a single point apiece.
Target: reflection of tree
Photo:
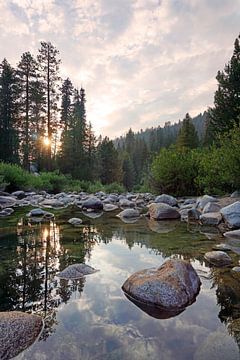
(227, 284)
(28, 270)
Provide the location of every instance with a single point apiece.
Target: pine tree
(226, 111)
(49, 63)
(66, 104)
(187, 136)
(110, 165)
(128, 172)
(27, 72)
(9, 142)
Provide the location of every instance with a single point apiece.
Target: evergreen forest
(46, 141)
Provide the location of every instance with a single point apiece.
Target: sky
(141, 62)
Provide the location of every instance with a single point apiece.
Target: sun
(46, 141)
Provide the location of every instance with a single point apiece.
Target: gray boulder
(234, 234)
(75, 221)
(125, 203)
(18, 331)
(231, 214)
(19, 194)
(193, 214)
(7, 201)
(235, 194)
(109, 207)
(52, 203)
(160, 211)
(6, 212)
(211, 207)
(92, 203)
(76, 271)
(174, 285)
(213, 218)
(202, 201)
(129, 214)
(166, 199)
(218, 258)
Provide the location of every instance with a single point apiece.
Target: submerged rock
(6, 212)
(38, 215)
(231, 214)
(174, 285)
(218, 258)
(222, 247)
(166, 199)
(92, 214)
(160, 211)
(234, 234)
(76, 271)
(75, 221)
(17, 332)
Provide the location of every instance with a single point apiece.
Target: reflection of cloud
(142, 62)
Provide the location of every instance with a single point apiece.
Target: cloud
(142, 62)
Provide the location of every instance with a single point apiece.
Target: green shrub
(174, 172)
(114, 188)
(14, 177)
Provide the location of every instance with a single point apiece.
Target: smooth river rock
(218, 258)
(129, 214)
(202, 201)
(166, 199)
(18, 331)
(75, 221)
(174, 285)
(7, 201)
(231, 214)
(211, 218)
(234, 234)
(76, 271)
(92, 203)
(160, 211)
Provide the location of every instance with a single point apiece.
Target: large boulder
(211, 207)
(211, 218)
(160, 211)
(19, 194)
(125, 203)
(231, 214)
(202, 201)
(18, 331)
(92, 203)
(52, 203)
(218, 258)
(7, 201)
(166, 199)
(6, 212)
(129, 214)
(174, 285)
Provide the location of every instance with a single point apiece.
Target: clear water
(91, 318)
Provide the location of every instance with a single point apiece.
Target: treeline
(43, 127)
(43, 124)
(189, 167)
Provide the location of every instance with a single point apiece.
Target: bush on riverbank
(13, 177)
(213, 170)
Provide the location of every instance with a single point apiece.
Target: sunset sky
(142, 62)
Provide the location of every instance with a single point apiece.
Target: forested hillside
(44, 128)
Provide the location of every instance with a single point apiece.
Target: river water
(91, 318)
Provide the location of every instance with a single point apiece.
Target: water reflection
(91, 318)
